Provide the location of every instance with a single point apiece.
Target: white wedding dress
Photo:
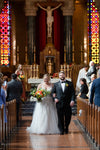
(45, 119)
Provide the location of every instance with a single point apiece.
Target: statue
(49, 66)
(50, 18)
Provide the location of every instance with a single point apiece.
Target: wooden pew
(7, 128)
(98, 127)
(1, 123)
(93, 121)
(96, 120)
(90, 119)
(11, 116)
(82, 106)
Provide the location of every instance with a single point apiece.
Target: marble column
(68, 38)
(30, 12)
(68, 13)
(31, 43)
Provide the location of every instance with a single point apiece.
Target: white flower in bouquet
(37, 95)
(32, 99)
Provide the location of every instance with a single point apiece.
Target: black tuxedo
(14, 91)
(63, 106)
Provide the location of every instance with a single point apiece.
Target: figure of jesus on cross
(50, 18)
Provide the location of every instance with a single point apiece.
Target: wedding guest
(14, 91)
(98, 71)
(3, 99)
(4, 85)
(93, 77)
(21, 75)
(91, 70)
(95, 92)
(83, 89)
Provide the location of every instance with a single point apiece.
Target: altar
(34, 82)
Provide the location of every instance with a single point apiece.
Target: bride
(45, 119)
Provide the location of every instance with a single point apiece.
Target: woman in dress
(20, 73)
(83, 89)
(45, 119)
(4, 85)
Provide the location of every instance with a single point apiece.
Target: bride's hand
(54, 95)
(56, 100)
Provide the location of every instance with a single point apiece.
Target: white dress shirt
(63, 86)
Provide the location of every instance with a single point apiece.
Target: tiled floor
(75, 140)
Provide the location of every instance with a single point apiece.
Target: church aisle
(75, 140)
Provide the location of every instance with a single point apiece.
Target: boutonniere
(67, 84)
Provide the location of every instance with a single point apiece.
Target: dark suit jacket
(95, 92)
(14, 90)
(64, 97)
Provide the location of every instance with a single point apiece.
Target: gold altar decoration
(67, 69)
(32, 71)
(49, 60)
(35, 71)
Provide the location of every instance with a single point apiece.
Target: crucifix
(49, 7)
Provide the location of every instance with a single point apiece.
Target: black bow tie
(63, 81)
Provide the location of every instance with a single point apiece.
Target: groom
(64, 99)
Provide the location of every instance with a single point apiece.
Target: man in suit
(64, 97)
(14, 91)
(95, 92)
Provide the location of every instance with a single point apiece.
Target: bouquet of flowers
(37, 95)
(21, 76)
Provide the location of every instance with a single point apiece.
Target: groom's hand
(56, 100)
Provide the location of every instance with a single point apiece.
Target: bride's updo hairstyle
(19, 66)
(46, 76)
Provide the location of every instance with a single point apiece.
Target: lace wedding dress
(45, 119)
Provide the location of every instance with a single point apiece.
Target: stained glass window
(5, 34)
(93, 31)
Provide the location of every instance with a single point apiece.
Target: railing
(89, 117)
(6, 128)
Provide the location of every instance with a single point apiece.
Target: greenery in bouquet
(39, 94)
(21, 76)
